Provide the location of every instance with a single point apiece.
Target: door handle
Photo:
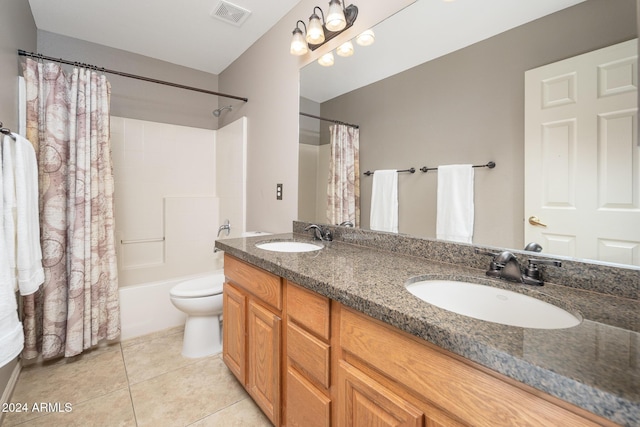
(534, 220)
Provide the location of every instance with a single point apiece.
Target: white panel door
(582, 159)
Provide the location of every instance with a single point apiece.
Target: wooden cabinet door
(307, 406)
(234, 331)
(263, 380)
(365, 403)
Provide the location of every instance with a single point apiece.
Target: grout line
(126, 373)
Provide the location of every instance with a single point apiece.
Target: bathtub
(146, 308)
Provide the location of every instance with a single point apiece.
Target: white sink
(493, 304)
(288, 246)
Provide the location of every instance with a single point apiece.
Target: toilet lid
(201, 287)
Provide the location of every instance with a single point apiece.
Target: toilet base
(201, 337)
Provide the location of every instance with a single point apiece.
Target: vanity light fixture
(315, 32)
(318, 32)
(298, 42)
(366, 38)
(345, 49)
(326, 60)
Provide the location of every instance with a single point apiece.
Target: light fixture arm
(321, 14)
(298, 27)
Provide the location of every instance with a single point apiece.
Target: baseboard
(8, 390)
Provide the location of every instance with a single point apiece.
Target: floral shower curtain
(343, 191)
(68, 123)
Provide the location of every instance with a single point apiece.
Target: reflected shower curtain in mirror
(68, 123)
(343, 191)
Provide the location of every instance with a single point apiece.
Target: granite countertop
(595, 365)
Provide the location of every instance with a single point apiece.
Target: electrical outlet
(278, 191)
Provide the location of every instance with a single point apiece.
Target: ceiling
(177, 31)
(424, 30)
(183, 31)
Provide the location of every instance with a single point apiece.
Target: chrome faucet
(320, 233)
(346, 224)
(505, 265)
(226, 226)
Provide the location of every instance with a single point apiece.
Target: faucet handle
(494, 267)
(532, 274)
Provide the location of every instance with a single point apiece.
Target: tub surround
(593, 366)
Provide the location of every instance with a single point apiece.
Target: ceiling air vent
(230, 13)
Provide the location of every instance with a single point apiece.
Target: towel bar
(126, 242)
(410, 170)
(489, 165)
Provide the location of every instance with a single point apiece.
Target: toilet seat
(196, 288)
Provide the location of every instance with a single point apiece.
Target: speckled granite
(595, 365)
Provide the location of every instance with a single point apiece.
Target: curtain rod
(329, 120)
(123, 74)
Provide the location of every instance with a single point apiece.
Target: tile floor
(144, 381)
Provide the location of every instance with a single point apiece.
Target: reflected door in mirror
(582, 174)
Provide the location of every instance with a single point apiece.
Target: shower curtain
(68, 123)
(343, 191)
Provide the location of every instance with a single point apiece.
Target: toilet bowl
(201, 300)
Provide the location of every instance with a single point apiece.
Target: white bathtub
(146, 308)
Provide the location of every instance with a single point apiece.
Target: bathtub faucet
(226, 226)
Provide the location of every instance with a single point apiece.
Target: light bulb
(366, 38)
(345, 49)
(298, 44)
(335, 17)
(326, 60)
(315, 32)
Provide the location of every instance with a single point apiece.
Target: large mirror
(460, 101)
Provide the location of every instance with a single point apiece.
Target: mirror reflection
(463, 107)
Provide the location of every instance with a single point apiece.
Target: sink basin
(493, 304)
(288, 246)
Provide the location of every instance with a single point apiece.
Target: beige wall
(141, 100)
(468, 107)
(268, 75)
(17, 31)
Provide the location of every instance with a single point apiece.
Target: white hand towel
(28, 250)
(455, 203)
(384, 201)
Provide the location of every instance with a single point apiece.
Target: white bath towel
(384, 201)
(28, 250)
(9, 209)
(455, 203)
(20, 214)
(11, 335)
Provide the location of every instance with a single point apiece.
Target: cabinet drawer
(308, 353)
(308, 309)
(265, 286)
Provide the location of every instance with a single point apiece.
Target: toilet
(201, 300)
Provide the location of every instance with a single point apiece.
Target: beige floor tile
(148, 359)
(97, 351)
(152, 336)
(72, 383)
(241, 414)
(186, 395)
(114, 409)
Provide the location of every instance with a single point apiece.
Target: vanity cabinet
(308, 380)
(252, 332)
(388, 377)
(309, 361)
